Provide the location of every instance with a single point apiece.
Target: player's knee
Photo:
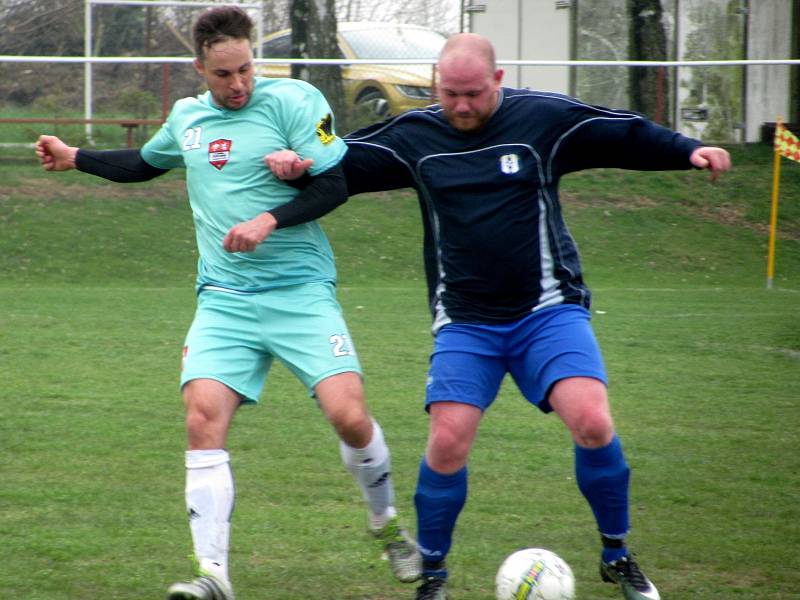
(593, 428)
(353, 425)
(205, 430)
(447, 451)
(198, 419)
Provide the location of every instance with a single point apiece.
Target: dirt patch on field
(725, 214)
(629, 203)
(734, 216)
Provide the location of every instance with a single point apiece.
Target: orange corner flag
(786, 143)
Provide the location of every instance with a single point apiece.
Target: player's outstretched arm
(287, 165)
(123, 166)
(55, 155)
(716, 160)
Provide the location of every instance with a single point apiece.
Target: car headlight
(414, 91)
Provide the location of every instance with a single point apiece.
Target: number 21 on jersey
(191, 138)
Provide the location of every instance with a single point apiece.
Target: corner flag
(788, 145)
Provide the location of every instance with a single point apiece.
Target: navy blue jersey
(496, 245)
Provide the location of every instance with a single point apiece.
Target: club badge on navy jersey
(219, 153)
(509, 164)
(325, 129)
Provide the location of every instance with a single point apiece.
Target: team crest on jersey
(509, 164)
(219, 152)
(325, 129)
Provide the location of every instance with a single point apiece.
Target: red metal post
(164, 91)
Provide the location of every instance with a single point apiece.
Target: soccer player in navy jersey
(504, 276)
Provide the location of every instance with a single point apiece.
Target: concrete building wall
(528, 30)
(545, 29)
(769, 36)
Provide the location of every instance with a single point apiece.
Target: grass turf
(703, 360)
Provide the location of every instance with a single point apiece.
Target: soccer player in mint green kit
(266, 281)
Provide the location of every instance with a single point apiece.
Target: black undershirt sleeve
(320, 194)
(360, 175)
(301, 182)
(122, 166)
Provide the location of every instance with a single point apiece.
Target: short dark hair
(218, 24)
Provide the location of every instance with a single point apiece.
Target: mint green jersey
(228, 182)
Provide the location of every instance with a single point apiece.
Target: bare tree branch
(179, 36)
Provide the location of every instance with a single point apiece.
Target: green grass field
(704, 361)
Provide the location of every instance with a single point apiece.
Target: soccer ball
(534, 574)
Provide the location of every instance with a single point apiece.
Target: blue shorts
(469, 361)
(234, 338)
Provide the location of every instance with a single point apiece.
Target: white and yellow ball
(534, 574)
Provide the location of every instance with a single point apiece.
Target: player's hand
(714, 159)
(55, 155)
(245, 237)
(285, 164)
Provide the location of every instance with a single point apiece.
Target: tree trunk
(649, 87)
(313, 25)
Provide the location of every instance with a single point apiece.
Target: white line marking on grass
(688, 289)
(795, 354)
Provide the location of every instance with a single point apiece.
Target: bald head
(468, 82)
(468, 48)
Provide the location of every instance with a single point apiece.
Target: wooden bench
(129, 124)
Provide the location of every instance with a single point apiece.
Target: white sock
(372, 468)
(209, 502)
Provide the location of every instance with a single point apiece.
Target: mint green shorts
(235, 337)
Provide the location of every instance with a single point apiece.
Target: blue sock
(603, 476)
(438, 499)
(613, 548)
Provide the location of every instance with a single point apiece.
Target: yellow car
(386, 89)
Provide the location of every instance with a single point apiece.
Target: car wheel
(374, 101)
